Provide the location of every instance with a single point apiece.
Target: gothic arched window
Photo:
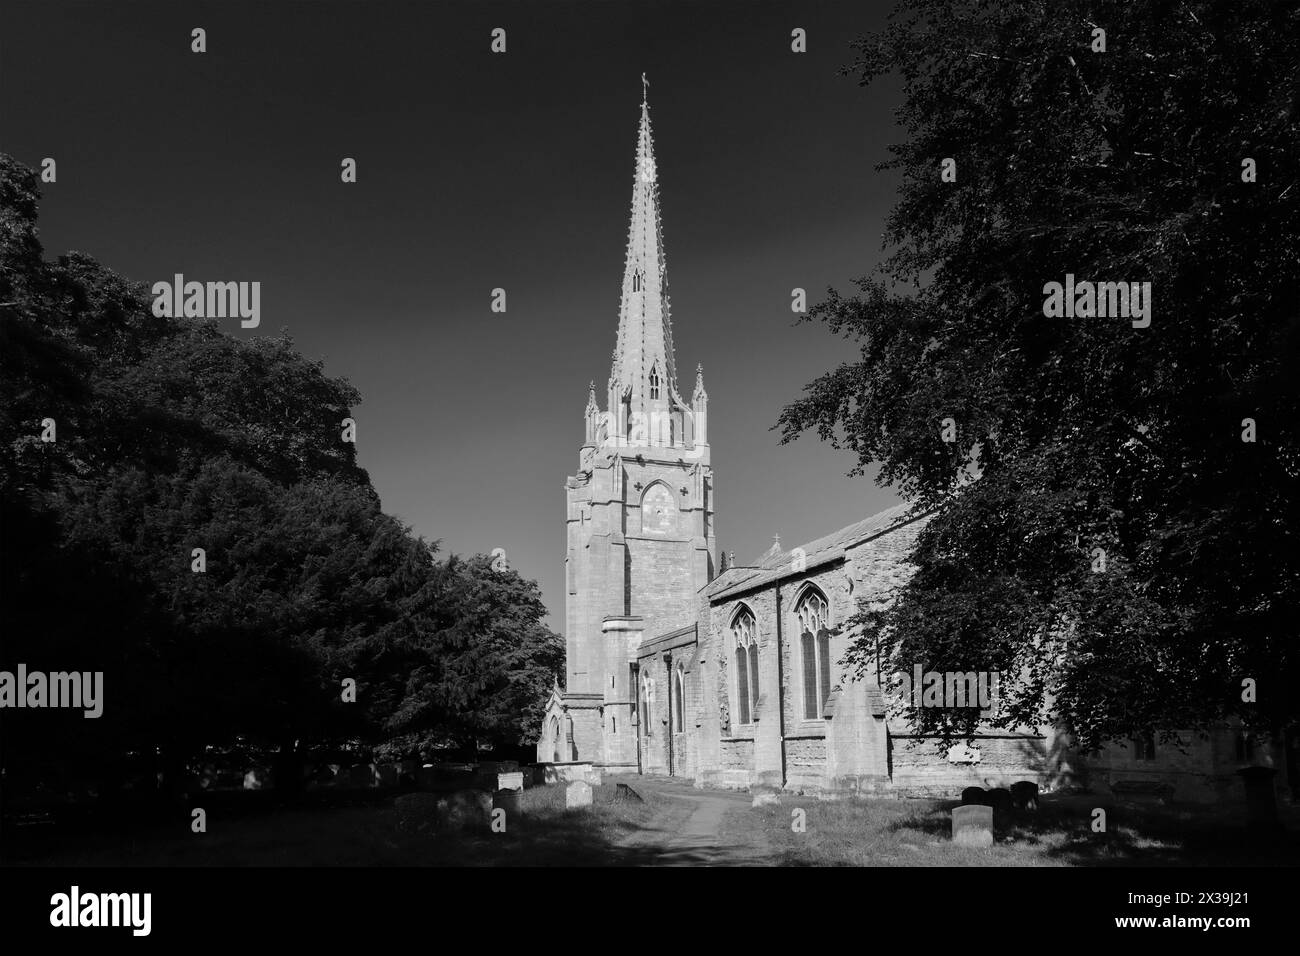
(814, 651)
(654, 381)
(744, 635)
(647, 702)
(679, 700)
(636, 281)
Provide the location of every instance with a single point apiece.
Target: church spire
(644, 370)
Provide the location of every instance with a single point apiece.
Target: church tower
(639, 510)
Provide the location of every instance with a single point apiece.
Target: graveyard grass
(371, 831)
(887, 832)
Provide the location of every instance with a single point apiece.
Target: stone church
(732, 676)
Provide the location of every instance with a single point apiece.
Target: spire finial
(645, 89)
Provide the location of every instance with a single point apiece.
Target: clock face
(658, 513)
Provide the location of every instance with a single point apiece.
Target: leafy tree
(173, 436)
(1086, 433)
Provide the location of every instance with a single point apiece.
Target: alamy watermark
(1102, 300)
(59, 689)
(948, 688)
(208, 300)
(75, 909)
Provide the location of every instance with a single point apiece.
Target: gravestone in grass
(577, 794)
(972, 826)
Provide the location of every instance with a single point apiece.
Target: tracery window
(812, 612)
(744, 633)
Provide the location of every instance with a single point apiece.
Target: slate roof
(777, 564)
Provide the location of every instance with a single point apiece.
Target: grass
(367, 829)
(372, 833)
(881, 832)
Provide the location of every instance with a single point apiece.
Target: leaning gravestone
(972, 826)
(626, 793)
(975, 797)
(577, 794)
(1024, 795)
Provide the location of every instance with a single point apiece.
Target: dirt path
(689, 832)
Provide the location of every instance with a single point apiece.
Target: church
(731, 675)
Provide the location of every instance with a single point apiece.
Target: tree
(173, 436)
(1086, 438)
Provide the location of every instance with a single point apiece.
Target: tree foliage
(1086, 433)
(172, 436)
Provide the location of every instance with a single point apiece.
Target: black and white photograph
(775, 437)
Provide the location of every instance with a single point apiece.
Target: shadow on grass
(1062, 829)
(359, 829)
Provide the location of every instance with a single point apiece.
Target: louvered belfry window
(814, 648)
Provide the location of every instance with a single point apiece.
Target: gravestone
(975, 797)
(507, 800)
(972, 826)
(510, 781)
(624, 792)
(1000, 800)
(1024, 795)
(577, 794)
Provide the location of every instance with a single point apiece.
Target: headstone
(510, 781)
(1024, 795)
(1000, 800)
(577, 794)
(624, 792)
(975, 797)
(972, 826)
(507, 800)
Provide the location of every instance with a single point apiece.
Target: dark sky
(478, 171)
